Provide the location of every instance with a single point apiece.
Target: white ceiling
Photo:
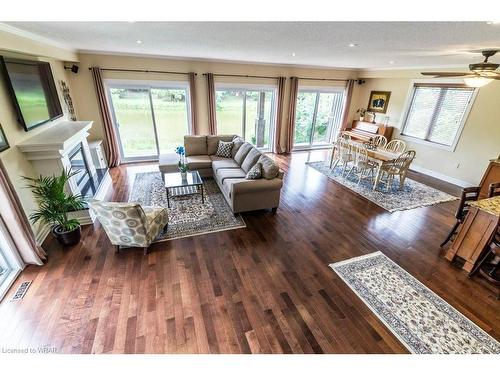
(406, 44)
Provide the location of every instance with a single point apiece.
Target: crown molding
(35, 37)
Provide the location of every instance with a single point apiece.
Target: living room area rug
(419, 318)
(187, 215)
(413, 195)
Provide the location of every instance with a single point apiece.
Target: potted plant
(361, 112)
(54, 203)
(182, 165)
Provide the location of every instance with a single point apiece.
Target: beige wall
(15, 162)
(479, 141)
(87, 108)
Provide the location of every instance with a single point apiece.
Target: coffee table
(177, 186)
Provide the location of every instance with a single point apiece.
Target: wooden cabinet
(491, 175)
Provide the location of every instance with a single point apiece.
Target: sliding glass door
(10, 264)
(150, 119)
(248, 112)
(317, 117)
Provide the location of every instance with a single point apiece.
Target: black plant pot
(67, 238)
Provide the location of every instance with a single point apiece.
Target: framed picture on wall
(4, 145)
(379, 100)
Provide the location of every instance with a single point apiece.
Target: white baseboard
(440, 176)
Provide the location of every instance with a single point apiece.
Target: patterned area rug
(418, 317)
(187, 215)
(413, 195)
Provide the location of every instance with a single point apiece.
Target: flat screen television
(32, 90)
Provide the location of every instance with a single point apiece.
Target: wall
(15, 162)
(479, 141)
(87, 108)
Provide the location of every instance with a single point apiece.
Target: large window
(150, 119)
(248, 112)
(317, 117)
(436, 113)
(10, 265)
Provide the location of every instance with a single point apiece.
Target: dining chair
(469, 194)
(345, 136)
(494, 190)
(380, 141)
(344, 155)
(396, 146)
(361, 163)
(398, 167)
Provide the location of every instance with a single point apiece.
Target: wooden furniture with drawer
(491, 175)
(364, 130)
(476, 232)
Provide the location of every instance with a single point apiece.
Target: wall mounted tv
(32, 90)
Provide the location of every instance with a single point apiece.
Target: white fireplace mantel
(56, 141)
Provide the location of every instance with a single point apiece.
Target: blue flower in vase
(180, 150)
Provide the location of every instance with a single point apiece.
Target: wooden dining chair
(396, 146)
(494, 190)
(361, 163)
(469, 194)
(344, 155)
(398, 167)
(379, 141)
(345, 136)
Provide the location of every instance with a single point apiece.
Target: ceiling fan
(480, 74)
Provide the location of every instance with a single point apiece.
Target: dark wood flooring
(263, 289)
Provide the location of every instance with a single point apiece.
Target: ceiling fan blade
(446, 74)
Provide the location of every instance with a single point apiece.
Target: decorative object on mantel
(67, 100)
(370, 117)
(187, 215)
(182, 165)
(4, 144)
(361, 112)
(419, 318)
(413, 195)
(54, 204)
(379, 100)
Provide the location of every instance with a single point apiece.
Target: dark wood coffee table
(177, 186)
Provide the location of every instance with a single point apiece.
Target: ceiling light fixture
(391, 62)
(293, 54)
(353, 45)
(477, 81)
(138, 41)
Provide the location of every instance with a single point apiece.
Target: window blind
(436, 112)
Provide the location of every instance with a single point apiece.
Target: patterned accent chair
(130, 224)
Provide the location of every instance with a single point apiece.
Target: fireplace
(79, 165)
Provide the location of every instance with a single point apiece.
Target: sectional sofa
(229, 173)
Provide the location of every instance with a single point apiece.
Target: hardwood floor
(266, 288)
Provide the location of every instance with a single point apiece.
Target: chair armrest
(254, 186)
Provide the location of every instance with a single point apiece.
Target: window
(151, 119)
(436, 113)
(317, 117)
(10, 265)
(248, 112)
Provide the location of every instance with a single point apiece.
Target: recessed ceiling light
(391, 62)
(293, 54)
(138, 41)
(353, 45)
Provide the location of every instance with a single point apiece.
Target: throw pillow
(224, 149)
(269, 169)
(255, 172)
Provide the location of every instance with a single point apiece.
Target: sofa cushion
(237, 142)
(223, 173)
(242, 152)
(195, 144)
(223, 163)
(199, 162)
(224, 149)
(269, 168)
(213, 142)
(255, 172)
(250, 160)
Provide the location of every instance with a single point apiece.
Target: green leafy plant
(54, 202)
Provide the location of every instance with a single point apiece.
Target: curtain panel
(212, 118)
(16, 222)
(280, 97)
(192, 101)
(290, 124)
(111, 141)
(347, 104)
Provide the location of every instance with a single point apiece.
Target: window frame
(443, 82)
(253, 87)
(110, 83)
(319, 90)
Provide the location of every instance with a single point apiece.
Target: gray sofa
(229, 173)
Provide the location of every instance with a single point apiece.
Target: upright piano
(364, 130)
